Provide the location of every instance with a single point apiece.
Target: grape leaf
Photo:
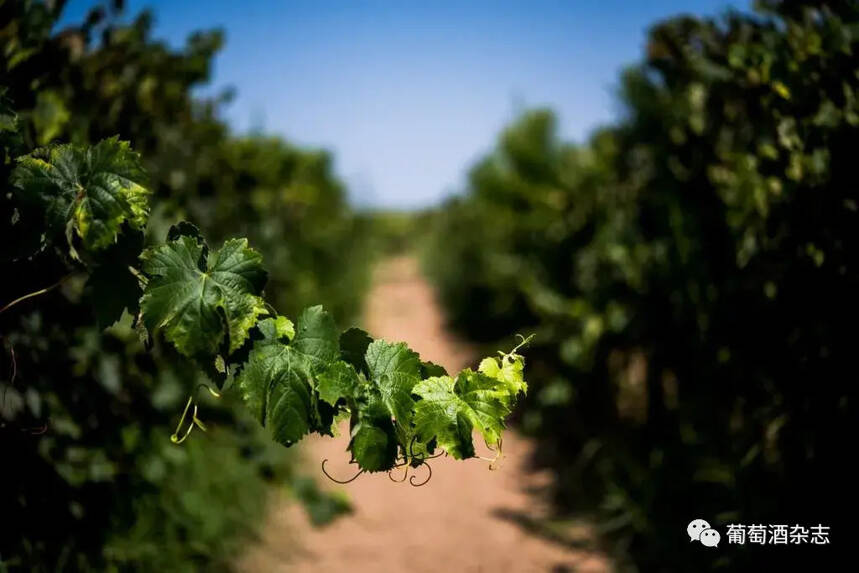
(385, 405)
(450, 408)
(317, 337)
(508, 371)
(185, 229)
(275, 384)
(339, 382)
(394, 369)
(429, 369)
(8, 117)
(295, 379)
(88, 191)
(353, 347)
(374, 439)
(278, 381)
(113, 287)
(197, 298)
(278, 328)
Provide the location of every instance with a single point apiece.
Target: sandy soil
(466, 518)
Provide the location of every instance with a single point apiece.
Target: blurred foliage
(91, 480)
(396, 232)
(322, 507)
(288, 204)
(691, 275)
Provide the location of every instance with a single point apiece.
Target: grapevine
(296, 378)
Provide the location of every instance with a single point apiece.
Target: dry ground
(466, 518)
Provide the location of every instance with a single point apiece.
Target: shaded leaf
(276, 329)
(339, 381)
(8, 117)
(374, 440)
(197, 300)
(276, 387)
(430, 369)
(392, 372)
(353, 347)
(278, 383)
(50, 116)
(113, 288)
(86, 191)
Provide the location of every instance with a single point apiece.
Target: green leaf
(385, 405)
(185, 229)
(8, 117)
(339, 381)
(10, 139)
(275, 384)
(278, 328)
(278, 382)
(508, 371)
(87, 191)
(353, 347)
(374, 439)
(429, 369)
(113, 288)
(317, 337)
(197, 298)
(393, 370)
(50, 116)
(450, 409)
(322, 506)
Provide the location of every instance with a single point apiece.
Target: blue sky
(407, 95)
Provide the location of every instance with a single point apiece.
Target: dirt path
(465, 519)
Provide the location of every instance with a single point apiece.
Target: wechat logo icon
(700, 530)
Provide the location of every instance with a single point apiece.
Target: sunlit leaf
(85, 191)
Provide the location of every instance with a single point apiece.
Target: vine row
(295, 377)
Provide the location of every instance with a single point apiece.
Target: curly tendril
(195, 421)
(494, 462)
(429, 476)
(335, 480)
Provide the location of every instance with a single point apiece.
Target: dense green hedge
(691, 275)
(91, 480)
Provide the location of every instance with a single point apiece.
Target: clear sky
(407, 95)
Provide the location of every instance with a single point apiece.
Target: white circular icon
(710, 537)
(695, 527)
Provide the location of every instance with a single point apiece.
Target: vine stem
(12, 377)
(195, 421)
(36, 293)
(521, 344)
(138, 275)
